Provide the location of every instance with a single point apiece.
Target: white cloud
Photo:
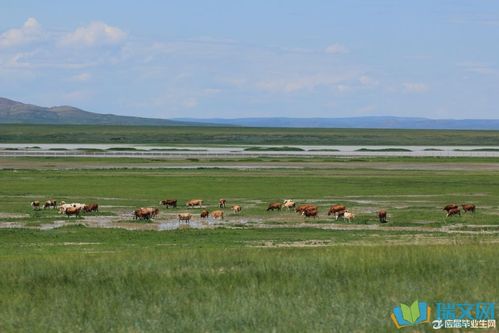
(190, 103)
(336, 49)
(29, 32)
(368, 81)
(413, 87)
(306, 83)
(94, 34)
(82, 77)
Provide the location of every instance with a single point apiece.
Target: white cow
(348, 216)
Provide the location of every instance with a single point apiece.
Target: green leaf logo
(410, 314)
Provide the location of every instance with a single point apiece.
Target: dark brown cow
(454, 211)
(50, 204)
(469, 208)
(221, 203)
(93, 207)
(274, 205)
(35, 204)
(382, 216)
(335, 209)
(169, 202)
(300, 209)
(204, 214)
(310, 212)
(72, 211)
(449, 207)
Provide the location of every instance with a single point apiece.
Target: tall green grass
(143, 284)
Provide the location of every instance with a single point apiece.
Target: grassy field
(78, 279)
(413, 197)
(276, 272)
(238, 135)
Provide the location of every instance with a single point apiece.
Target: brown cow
(217, 214)
(382, 216)
(50, 204)
(184, 217)
(449, 207)
(35, 204)
(169, 202)
(194, 202)
(454, 211)
(72, 211)
(236, 209)
(335, 209)
(310, 212)
(221, 203)
(204, 214)
(300, 209)
(146, 213)
(93, 207)
(469, 208)
(274, 205)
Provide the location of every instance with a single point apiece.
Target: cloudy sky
(428, 58)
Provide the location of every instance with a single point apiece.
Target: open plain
(255, 269)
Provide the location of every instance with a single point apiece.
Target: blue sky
(437, 59)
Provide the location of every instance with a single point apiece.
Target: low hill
(13, 112)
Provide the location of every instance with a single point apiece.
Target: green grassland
(243, 278)
(79, 279)
(412, 196)
(238, 135)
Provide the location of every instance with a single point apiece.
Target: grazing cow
(146, 213)
(169, 202)
(469, 208)
(35, 205)
(335, 209)
(218, 214)
(72, 211)
(204, 214)
(454, 211)
(300, 209)
(194, 202)
(449, 207)
(236, 209)
(93, 207)
(184, 217)
(289, 204)
(274, 205)
(382, 216)
(221, 203)
(348, 216)
(64, 206)
(310, 212)
(50, 204)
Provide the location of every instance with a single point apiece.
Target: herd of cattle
(307, 210)
(72, 209)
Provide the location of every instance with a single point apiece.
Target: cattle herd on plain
(306, 210)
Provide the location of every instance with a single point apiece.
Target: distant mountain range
(19, 113)
(357, 122)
